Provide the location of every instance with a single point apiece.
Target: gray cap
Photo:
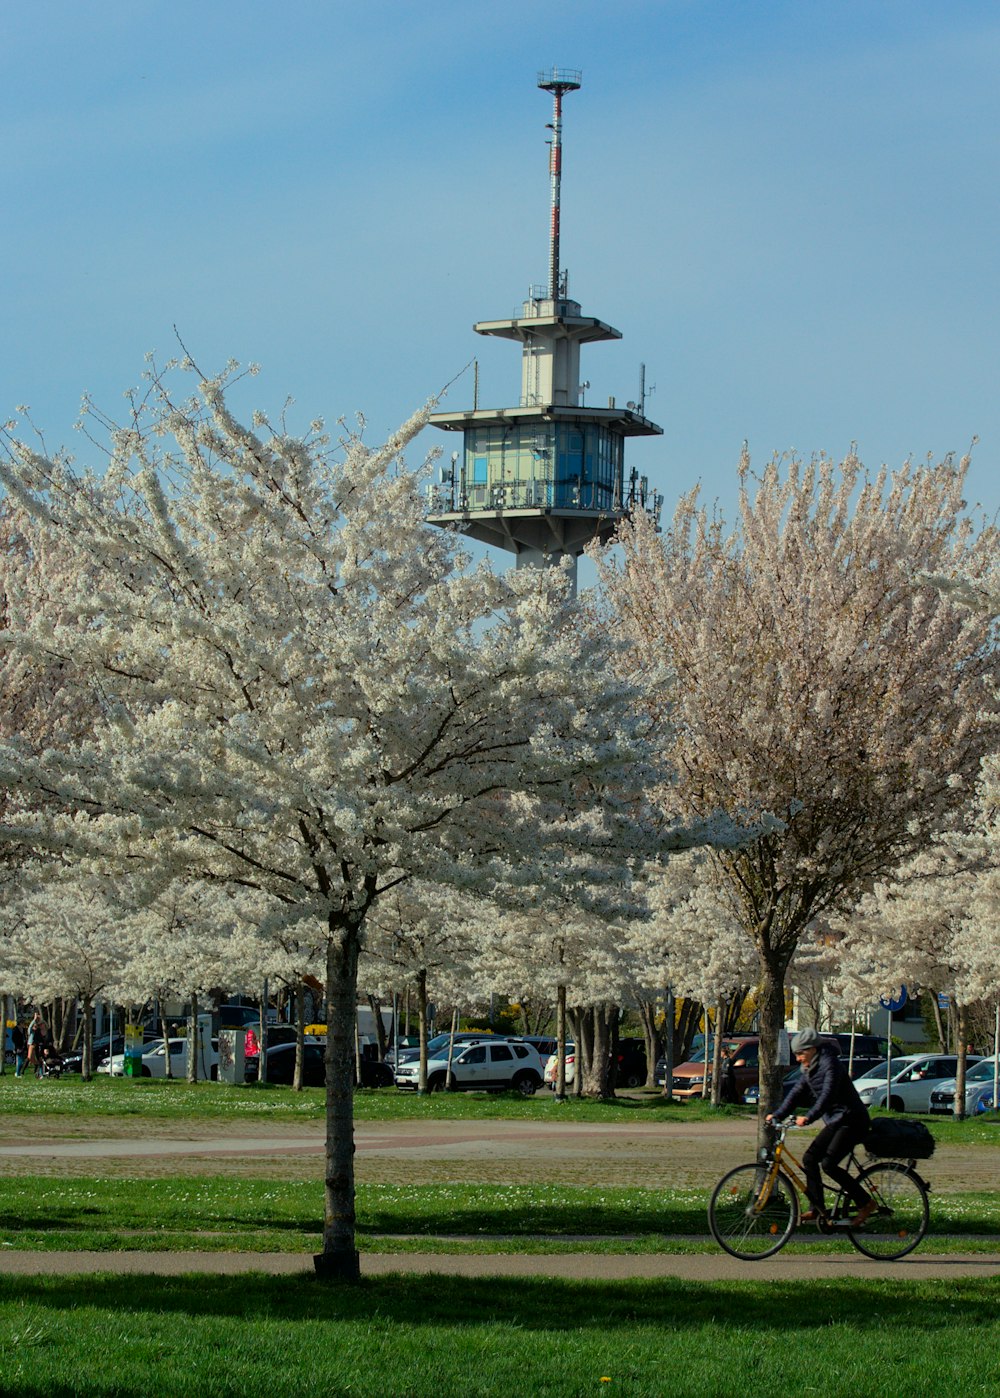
(805, 1039)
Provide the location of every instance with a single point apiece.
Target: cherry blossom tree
(70, 937)
(301, 689)
(810, 678)
(426, 935)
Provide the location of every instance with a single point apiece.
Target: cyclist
(845, 1123)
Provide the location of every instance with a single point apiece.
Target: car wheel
(526, 1084)
(145, 1073)
(896, 1104)
(633, 1080)
(436, 1083)
(214, 1073)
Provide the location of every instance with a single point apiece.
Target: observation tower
(547, 477)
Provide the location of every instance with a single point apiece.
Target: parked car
(862, 1067)
(281, 1066)
(406, 1042)
(104, 1046)
(861, 1064)
(689, 1077)
(551, 1070)
(909, 1087)
(154, 1060)
(543, 1044)
(629, 1063)
(276, 1034)
(978, 1090)
(440, 1043)
(493, 1066)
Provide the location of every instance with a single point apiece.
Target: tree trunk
(451, 1047)
(192, 1044)
(595, 1023)
(375, 1005)
(165, 1031)
(576, 1020)
(613, 1037)
(938, 1022)
(561, 1044)
(339, 1259)
(687, 1024)
(262, 1036)
(300, 1035)
(654, 1042)
(668, 1044)
(771, 1022)
(720, 1017)
(961, 1066)
(87, 1060)
(422, 1028)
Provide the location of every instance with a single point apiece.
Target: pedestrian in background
(36, 1042)
(19, 1043)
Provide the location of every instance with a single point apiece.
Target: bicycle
(754, 1209)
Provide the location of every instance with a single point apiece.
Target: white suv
(484, 1067)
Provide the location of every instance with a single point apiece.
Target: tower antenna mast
(558, 81)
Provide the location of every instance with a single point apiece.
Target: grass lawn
(426, 1336)
(447, 1337)
(216, 1213)
(160, 1099)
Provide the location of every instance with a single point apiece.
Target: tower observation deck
(547, 477)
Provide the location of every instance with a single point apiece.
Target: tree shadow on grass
(529, 1303)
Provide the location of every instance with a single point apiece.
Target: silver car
(978, 1090)
(910, 1086)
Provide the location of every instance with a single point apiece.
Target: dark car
(281, 1067)
(276, 1034)
(628, 1064)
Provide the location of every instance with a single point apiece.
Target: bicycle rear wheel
(900, 1221)
(743, 1221)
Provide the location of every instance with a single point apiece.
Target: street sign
(894, 1003)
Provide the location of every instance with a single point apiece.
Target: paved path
(704, 1267)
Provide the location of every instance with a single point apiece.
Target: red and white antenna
(558, 81)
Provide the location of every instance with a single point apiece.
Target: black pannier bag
(899, 1140)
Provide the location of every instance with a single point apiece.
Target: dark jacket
(827, 1086)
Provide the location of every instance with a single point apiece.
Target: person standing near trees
(19, 1043)
(36, 1043)
(727, 1077)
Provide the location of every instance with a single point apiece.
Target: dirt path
(659, 1155)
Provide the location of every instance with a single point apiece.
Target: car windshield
(698, 1056)
(982, 1072)
(896, 1066)
(440, 1041)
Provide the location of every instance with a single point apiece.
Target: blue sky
(790, 210)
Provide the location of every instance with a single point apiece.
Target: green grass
(212, 1213)
(177, 1100)
(450, 1337)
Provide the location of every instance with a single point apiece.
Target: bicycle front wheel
(900, 1220)
(750, 1215)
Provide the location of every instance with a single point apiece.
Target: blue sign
(894, 1003)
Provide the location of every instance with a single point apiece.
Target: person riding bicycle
(845, 1123)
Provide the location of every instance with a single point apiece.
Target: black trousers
(826, 1152)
